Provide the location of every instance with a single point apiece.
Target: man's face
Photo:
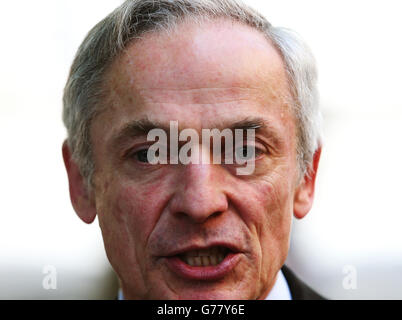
(157, 220)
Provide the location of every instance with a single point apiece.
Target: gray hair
(83, 93)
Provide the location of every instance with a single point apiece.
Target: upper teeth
(205, 257)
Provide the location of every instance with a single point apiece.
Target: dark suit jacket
(298, 289)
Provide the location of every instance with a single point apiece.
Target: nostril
(216, 214)
(199, 218)
(181, 215)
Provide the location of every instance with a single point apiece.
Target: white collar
(280, 290)
(120, 295)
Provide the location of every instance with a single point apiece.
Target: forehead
(219, 53)
(200, 72)
(199, 56)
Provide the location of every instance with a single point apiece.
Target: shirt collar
(280, 290)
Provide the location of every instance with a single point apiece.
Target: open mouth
(211, 263)
(205, 257)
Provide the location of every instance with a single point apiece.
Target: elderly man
(193, 230)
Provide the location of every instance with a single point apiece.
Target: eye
(144, 156)
(141, 155)
(246, 152)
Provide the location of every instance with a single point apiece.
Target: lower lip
(219, 271)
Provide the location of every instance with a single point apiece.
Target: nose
(200, 194)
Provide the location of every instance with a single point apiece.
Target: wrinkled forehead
(216, 54)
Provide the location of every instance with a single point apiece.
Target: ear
(80, 198)
(304, 195)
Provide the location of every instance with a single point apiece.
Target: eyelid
(257, 144)
(131, 151)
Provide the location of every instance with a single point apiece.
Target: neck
(266, 292)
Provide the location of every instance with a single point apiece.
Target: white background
(356, 219)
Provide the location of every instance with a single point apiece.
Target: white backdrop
(354, 225)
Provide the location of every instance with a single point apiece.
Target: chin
(214, 296)
(197, 292)
(209, 296)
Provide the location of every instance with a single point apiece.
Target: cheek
(138, 208)
(275, 222)
(127, 216)
(280, 207)
(268, 205)
(261, 201)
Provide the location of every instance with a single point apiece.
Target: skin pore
(203, 77)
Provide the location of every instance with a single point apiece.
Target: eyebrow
(248, 123)
(260, 125)
(141, 127)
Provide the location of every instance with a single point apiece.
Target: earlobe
(80, 198)
(304, 195)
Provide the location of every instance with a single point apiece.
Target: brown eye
(141, 155)
(144, 156)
